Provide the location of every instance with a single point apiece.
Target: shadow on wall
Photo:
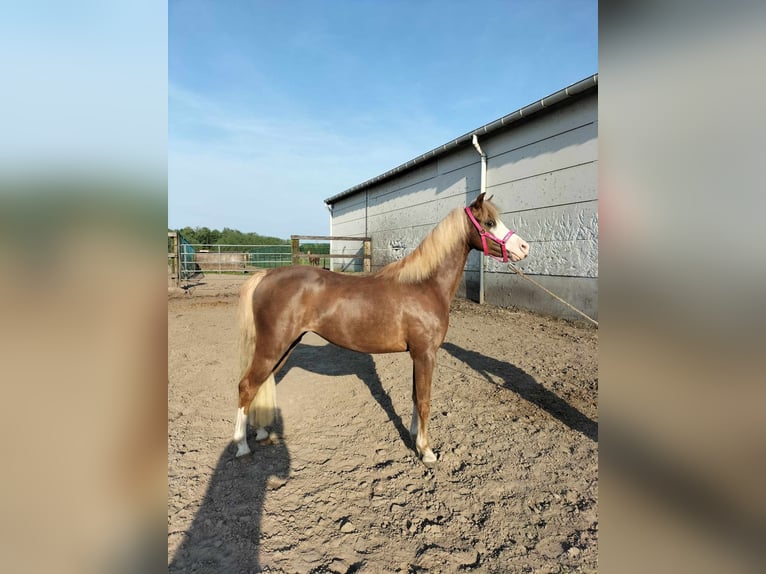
(527, 388)
(225, 534)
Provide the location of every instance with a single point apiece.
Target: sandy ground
(513, 421)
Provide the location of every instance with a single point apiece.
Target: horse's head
(490, 235)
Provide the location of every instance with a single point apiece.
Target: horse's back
(291, 290)
(294, 277)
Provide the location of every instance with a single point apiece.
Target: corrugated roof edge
(533, 108)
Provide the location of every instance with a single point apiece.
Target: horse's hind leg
(422, 372)
(260, 377)
(254, 377)
(240, 432)
(263, 407)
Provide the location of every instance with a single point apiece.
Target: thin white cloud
(232, 168)
(250, 164)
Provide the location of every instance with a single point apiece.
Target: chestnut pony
(402, 307)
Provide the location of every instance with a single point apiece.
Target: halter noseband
(486, 234)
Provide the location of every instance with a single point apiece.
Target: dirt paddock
(513, 422)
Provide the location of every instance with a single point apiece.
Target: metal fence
(189, 262)
(186, 264)
(238, 258)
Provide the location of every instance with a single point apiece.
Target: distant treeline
(205, 236)
(211, 237)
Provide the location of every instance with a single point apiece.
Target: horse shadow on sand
(225, 535)
(526, 387)
(332, 361)
(226, 532)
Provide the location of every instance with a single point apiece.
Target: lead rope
(552, 294)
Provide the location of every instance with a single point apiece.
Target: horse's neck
(447, 275)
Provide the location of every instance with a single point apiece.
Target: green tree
(208, 238)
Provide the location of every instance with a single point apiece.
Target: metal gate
(363, 254)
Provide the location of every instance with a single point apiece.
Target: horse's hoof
(429, 459)
(271, 438)
(242, 451)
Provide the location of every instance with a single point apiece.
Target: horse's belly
(369, 333)
(369, 340)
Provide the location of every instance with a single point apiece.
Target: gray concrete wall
(543, 174)
(348, 220)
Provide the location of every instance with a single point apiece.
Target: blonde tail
(264, 405)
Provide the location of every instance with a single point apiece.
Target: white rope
(552, 294)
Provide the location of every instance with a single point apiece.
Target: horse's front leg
(422, 371)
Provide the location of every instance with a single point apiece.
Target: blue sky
(275, 106)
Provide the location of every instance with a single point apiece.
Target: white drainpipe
(482, 189)
(329, 207)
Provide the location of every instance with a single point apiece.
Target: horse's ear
(479, 201)
(489, 198)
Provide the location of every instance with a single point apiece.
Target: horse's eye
(490, 223)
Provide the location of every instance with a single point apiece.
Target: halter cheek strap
(487, 235)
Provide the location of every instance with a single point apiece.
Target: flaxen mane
(450, 232)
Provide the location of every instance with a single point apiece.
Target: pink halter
(486, 234)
